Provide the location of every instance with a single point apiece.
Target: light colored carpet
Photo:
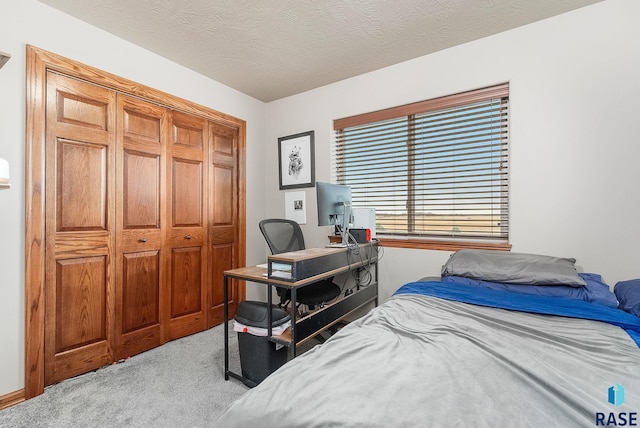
(180, 384)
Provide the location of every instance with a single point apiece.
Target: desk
(306, 267)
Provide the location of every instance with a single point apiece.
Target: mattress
(426, 358)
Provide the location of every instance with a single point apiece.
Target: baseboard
(11, 399)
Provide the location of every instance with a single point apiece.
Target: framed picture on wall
(295, 207)
(297, 161)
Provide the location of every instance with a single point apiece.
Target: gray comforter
(419, 361)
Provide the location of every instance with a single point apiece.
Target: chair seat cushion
(318, 292)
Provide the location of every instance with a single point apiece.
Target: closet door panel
(82, 324)
(187, 193)
(141, 191)
(140, 123)
(187, 281)
(223, 181)
(77, 108)
(222, 256)
(82, 187)
(140, 292)
(80, 227)
(187, 132)
(82, 318)
(223, 142)
(140, 226)
(186, 236)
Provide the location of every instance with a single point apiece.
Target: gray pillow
(513, 268)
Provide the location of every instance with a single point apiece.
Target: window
(435, 171)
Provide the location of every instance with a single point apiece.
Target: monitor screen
(334, 200)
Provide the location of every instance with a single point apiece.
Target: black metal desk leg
(226, 327)
(269, 315)
(294, 310)
(376, 267)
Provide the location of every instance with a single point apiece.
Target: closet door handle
(143, 240)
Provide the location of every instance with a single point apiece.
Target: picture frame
(296, 160)
(295, 206)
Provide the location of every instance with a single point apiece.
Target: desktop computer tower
(365, 218)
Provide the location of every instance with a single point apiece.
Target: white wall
(29, 22)
(575, 139)
(574, 136)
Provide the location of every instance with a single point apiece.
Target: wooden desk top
(309, 253)
(259, 274)
(254, 274)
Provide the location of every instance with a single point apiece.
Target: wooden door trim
(39, 62)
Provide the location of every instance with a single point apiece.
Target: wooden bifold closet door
(141, 219)
(80, 227)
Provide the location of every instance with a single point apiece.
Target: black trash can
(258, 356)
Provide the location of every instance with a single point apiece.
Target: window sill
(442, 245)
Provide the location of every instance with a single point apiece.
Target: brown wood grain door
(223, 218)
(80, 194)
(141, 219)
(186, 236)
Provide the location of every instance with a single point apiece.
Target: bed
(465, 351)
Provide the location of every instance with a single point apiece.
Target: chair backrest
(282, 235)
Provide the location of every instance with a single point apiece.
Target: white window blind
(438, 168)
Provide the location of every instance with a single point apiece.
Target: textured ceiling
(271, 49)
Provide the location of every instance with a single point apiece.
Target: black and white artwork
(296, 157)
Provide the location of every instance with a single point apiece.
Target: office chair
(283, 236)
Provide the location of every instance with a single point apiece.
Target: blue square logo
(616, 395)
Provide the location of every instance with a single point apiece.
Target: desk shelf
(307, 267)
(319, 320)
(318, 263)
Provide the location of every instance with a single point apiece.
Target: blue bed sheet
(548, 305)
(594, 290)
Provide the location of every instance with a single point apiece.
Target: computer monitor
(334, 207)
